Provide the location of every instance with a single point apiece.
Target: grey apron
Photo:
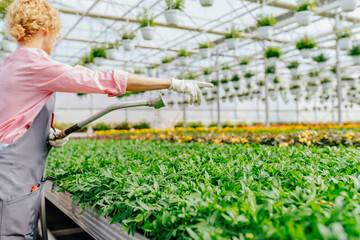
(22, 166)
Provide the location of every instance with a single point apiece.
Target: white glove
(191, 87)
(58, 143)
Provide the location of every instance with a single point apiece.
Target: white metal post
(338, 73)
(218, 91)
(266, 99)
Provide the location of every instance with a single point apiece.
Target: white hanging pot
(344, 43)
(232, 98)
(208, 77)
(225, 85)
(270, 76)
(295, 91)
(272, 61)
(313, 88)
(112, 53)
(293, 71)
(9, 46)
(236, 84)
(100, 61)
(356, 60)
(322, 65)
(348, 5)
(223, 99)
(172, 16)
(244, 68)
(206, 3)
(306, 52)
(351, 83)
(265, 32)
(128, 44)
(296, 81)
(326, 86)
(184, 61)
(205, 52)
(152, 72)
(303, 18)
(147, 32)
(226, 73)
(231, 43)
(166, 67)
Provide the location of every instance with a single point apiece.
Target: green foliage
(152, 66)
(206, 45)
(81, 94)
(114, 45)
(139, 71)
(215, 83)
(306, 5)
(145, 20)
(184, 53)
(276, 80)
(128, 35)
(98, 52)
(224, 81)
(355, 51)
(270, 70)
(191, 75)
(306, 43)
(167, 60)
(293, 65)
(227, 125)
(294, 86)
(344, 33)
(244, 61)
(320, 58)
(235, 78)
(249, 75)
(122, 126)
(3, 6)
(175, 4)
(143, 125)
(233, 33)
(314, 74)
(225, 67)
(273, 52)
(207, 71)
(101, 127)
(263, 21)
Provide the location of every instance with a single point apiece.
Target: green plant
(273, 52)
(320, 58)
(244, 61)
(344, 33)
(235, 78)
(207, 71)
(293, 65)
(191, 75)
(167, 60)
(81, 94)
(152, 66)
(206, 45)
(215, 83)
(224, 81)
(128, 35)
(266, 21)
(139, 71)
(175, 4)
(143, 125)
(101, 127)
(346, 78)
(227, 125)
(306, 5)
(270, 70)
(226, 67)
(276, 80)
(355, 51)
(314, 74)
(114, 45)
(184, 53)
(249, 75)
(145, 20)
(325, 81)
(122, 126)
(306, 43)
(260, 83)
(195, 124)
(294, 87)
(98, 52)
(233, 33)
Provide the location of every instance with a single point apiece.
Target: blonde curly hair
(26, 17)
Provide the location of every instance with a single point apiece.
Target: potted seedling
(226, 71)
(232, 97)
(304, 13)
(206, 3)
(166, 63)
(231, 38)
(296, 79)
(348, 5)
(276, 82)
(127, 41)
(207, 74)
(205, 49)
(173, 10)
(295, 90)
(305, 46)
(344, 39)
(225, 83)
(223, 98)
(265, 26)
(348, 80)
(293, 67)
(99, 55)
(352, 90)
(147, 25)
(244, 63)
(272, 55)
(260, 83)
(321, 60)
(248, 76)
(112, 50)
(236, 81)
(325, 83)
(355, 54)
(313, 86)
(314, 75)
(152, 70)
(272, 93)
(270, 72)
(184, 57)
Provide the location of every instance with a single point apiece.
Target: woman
(28, 80)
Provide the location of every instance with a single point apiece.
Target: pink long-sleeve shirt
(28, 78)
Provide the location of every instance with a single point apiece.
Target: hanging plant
(260, 83)
(293, 67)
(231, 37)
(344, 39)
(184, 57)
(265, 26)
(205, 49)
(304, 13)
(296, 79)
(166, 63)
(305, 46)
(127, 40)
(276, 81)
(206, 3)
(207, 74)
(272, 54)
(112, 50)
(321, 60)
(152, 69)
(270, 72)
(326, 82)
(226, 71)
(313, 76)
(348, 5)
(348, 80)
(236, 81)
(99, 55)
(147, 25)
(244, 62)
(313, 86)
(172, 12)
(355, 54)
(249, 75)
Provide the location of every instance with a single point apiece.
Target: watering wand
(155, 102)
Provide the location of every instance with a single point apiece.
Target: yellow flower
(249, 235)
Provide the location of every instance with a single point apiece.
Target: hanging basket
(231, 43)
(296, 81)
(152, 72)
(272, 61)
(147, 32)
(112, 53)
(172, 16)
(184, 61)
(226, 73)
(306, 52)
(265, 32)
(295, 91)
(244, 68)
(128, 44)
(293, 71)
(205, 52)
(270, 77)
(236, 84)
(303, 18)
(344, 43)
(356, 60)
(166, 67)
(9, 46)
(348, 5)
(206, 3)
(322, 65)
(313, 88)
